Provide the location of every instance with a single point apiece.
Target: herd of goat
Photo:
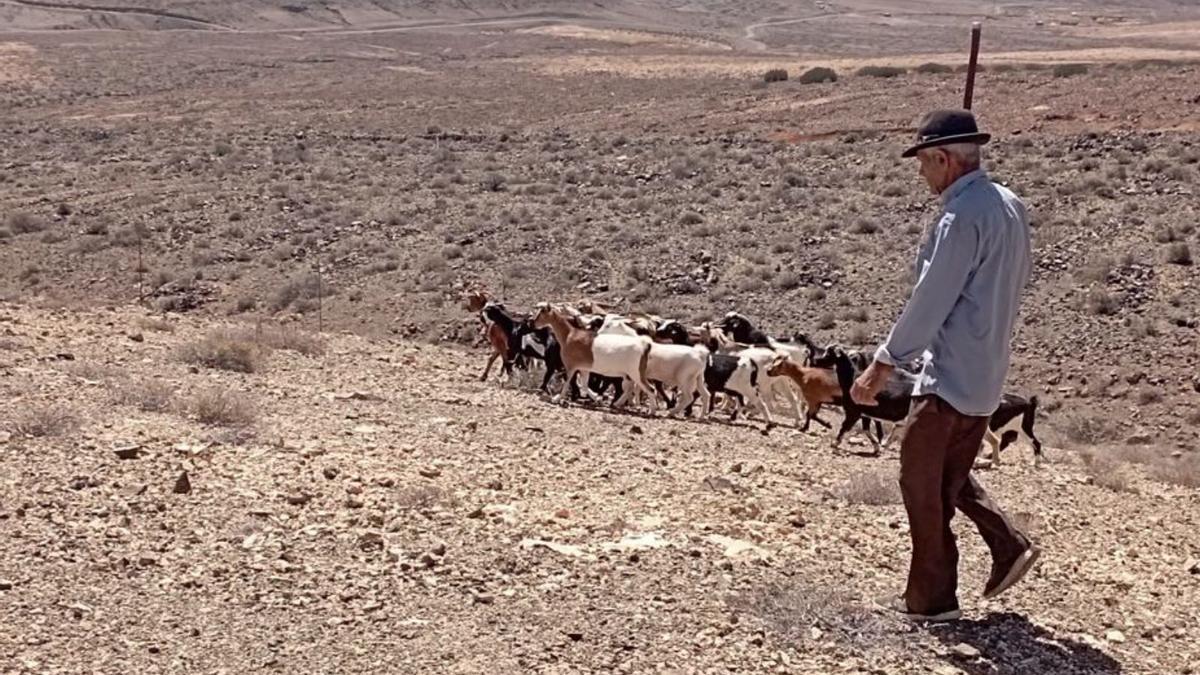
(655, 360)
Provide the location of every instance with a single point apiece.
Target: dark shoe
(1005, 577)
(898, 605)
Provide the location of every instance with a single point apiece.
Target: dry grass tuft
(1108, 472)
(146, 395)
(221, 407)
(1179, 254)
(1087, 430)
(87, 370)
(1182, 471)
(279, 337)
(154, 324)
(876, 488)
(223, 349)
(880, 71)
(42, 420)
(22, 222)
(797, 612)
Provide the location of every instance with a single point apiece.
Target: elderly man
(960, 318)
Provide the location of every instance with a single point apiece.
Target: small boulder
(183, 485)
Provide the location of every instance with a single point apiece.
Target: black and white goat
(1014, 411)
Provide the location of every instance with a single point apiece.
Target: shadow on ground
(1009, 644)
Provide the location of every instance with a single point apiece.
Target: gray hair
(970, 154)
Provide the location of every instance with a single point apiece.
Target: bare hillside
(371, 507)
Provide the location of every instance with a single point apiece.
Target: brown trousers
(936, 458)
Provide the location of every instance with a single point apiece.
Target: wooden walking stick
(972, 65)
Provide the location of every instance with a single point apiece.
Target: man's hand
(870, 383)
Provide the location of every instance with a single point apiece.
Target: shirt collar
(964, 181)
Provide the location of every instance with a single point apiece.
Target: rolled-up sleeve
(955, 245)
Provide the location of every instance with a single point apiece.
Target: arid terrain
(233, 237)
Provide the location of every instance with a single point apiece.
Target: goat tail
(643, 364)
(1030, 413)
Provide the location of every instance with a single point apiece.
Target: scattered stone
(356, 396)
(575, 635)
(635, 430)
(330, 472)
(137, 337)
(135, 490)
(737, 548)
(1115, 636)
(428, 560)
(562, 549)
(483, 599)
(797, 521)
(183, 485)
(127, 451)
(394, 555)
(5, 585)
(439, 550)
(1192, 566)
(638, 542)
(81, 482)
(370, 540)
(147, 560)
(299, 499)
(430, 471)
(965, 651)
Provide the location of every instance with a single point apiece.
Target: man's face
(937, 166)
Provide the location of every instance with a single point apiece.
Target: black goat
(741, 330)
(892, 403)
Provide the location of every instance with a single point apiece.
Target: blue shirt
(960, 317)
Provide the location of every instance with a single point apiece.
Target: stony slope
(386, 512)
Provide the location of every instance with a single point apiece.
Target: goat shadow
(1009, 644)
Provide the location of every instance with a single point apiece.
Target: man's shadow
(1009, 645)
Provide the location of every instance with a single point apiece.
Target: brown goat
(818, 386)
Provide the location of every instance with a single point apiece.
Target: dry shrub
(818, 75)
(1107, 471)
(224, 350)
(42, 420)
(280, 337)
(146, 395)
(304, 287)
(871, 488)
(1070, 69)
(775, 75)
(221, 407)
(1179, 254)
(423, 497)
(1096, 269)
(880, 71)
(155, 324)
(791, 610)
(1102, 303)
(87, 370)
(23, 222)
(934, 68)
(1086, 430)
(1182, 471)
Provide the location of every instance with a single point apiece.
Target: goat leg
(488, 367)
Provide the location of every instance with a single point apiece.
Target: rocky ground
(372, 507)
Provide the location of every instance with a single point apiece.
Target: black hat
(942, 127)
